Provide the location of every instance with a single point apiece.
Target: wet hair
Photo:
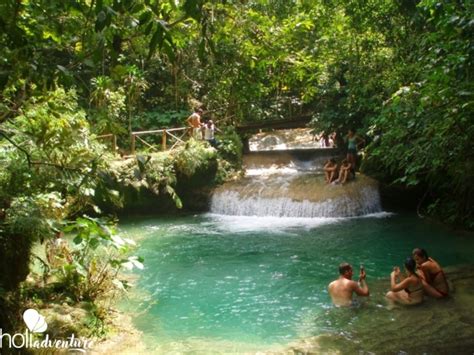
(344, 161)
(420, 252)
(410, 265)
(332, 160)
(344, 267)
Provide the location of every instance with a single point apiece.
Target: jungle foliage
(400, 72)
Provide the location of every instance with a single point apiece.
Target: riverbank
(124, 338)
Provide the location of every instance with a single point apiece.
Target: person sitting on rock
(345, 172)
(330, 170)
(434, 279)
(408, 291)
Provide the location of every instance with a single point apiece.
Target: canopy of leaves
(398, 72)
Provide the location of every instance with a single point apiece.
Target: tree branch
(28, 157)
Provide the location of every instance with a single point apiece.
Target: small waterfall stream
(294, 188)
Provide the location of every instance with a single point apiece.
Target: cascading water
(294, 188)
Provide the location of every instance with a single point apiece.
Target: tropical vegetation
(399, 72)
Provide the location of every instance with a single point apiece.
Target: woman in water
(353, 142)
(436, 284)
(409, 291)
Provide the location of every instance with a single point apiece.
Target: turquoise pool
(228, 284)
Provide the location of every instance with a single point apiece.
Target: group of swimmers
(423, 276)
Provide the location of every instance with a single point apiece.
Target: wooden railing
(164, 138)
(166, 134)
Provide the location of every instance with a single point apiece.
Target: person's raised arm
(394, 286)
(361, 288)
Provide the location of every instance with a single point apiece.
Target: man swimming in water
(341, 290)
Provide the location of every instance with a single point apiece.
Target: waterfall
(231, 203)
(291, 191)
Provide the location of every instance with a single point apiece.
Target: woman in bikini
(409, 291)
(435, 282)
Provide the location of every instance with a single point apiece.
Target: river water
(253, 279)
(244, 284)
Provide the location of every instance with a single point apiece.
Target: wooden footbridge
(171, 138)
(295, 122)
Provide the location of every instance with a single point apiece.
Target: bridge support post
(163, 140)
(245, 143)
(132, 148)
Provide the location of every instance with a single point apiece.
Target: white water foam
(231, 203)
(279, 225)
(272, 170)
(293, 167)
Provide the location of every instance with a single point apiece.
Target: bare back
(341, 290)
(434, 275)
(194, 120)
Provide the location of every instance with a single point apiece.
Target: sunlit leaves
(426, 127)
(97, 255)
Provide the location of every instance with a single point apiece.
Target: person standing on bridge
(194, 122)
(209, 131)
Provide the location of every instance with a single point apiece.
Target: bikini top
(407, 290)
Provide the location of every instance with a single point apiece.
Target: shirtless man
(434, 280)
(194, 122)
(341, 289)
